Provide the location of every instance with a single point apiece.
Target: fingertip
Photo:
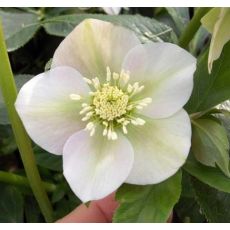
(100, 211)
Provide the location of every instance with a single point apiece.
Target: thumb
(100, 211)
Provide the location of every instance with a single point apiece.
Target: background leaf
(214, 204)
(210, 144)
(147, 29)
(48, 160)
(187, 209)
(208, 175)
(150, 203)
(217, 21)
(11, 205)
(200, 41)
(20, 80)
(7, 141)
(210, 90)
(32, 211)
(180, 16)
(19, 28)
(3, 115)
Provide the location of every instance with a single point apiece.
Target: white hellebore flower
(112, 10)
(112, 107)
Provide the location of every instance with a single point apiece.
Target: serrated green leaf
(149, 203)
(208, 175)
(210, 90)
(19, 28)
(48, 160)
(146, 29)
(210, 144)
(180, 16)
(11, 205)
(214, 204)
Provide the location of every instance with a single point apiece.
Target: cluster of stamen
(112, 104)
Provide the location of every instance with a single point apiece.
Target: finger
(100, 211)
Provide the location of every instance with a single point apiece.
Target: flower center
(112, 104)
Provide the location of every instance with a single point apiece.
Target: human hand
(100, 211)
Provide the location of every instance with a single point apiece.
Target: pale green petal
(160, 148)
(209, 20)
(166, 71)
(45, 108)
(93, 45)
(220, 32)
(94, 167)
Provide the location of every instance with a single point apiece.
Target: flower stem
(14, 179)
(192, 27)
(9, 92)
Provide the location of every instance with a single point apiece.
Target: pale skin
(100, 211)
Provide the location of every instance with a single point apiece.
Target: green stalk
(192, 27)
(9, 92)
(18, 180)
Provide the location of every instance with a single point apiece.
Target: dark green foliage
(214, 204)
(147, 29)
(210, 90)
(11, 205)
(48, 160)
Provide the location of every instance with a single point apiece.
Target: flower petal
(49, 115)
(162, 151)
(112, 10)
(93, 45)
(166, 71)
(216, 21)
(94, 166)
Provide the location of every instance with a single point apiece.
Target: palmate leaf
(210, 90)
(19, 28)
(149, 203)
(146, 29)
